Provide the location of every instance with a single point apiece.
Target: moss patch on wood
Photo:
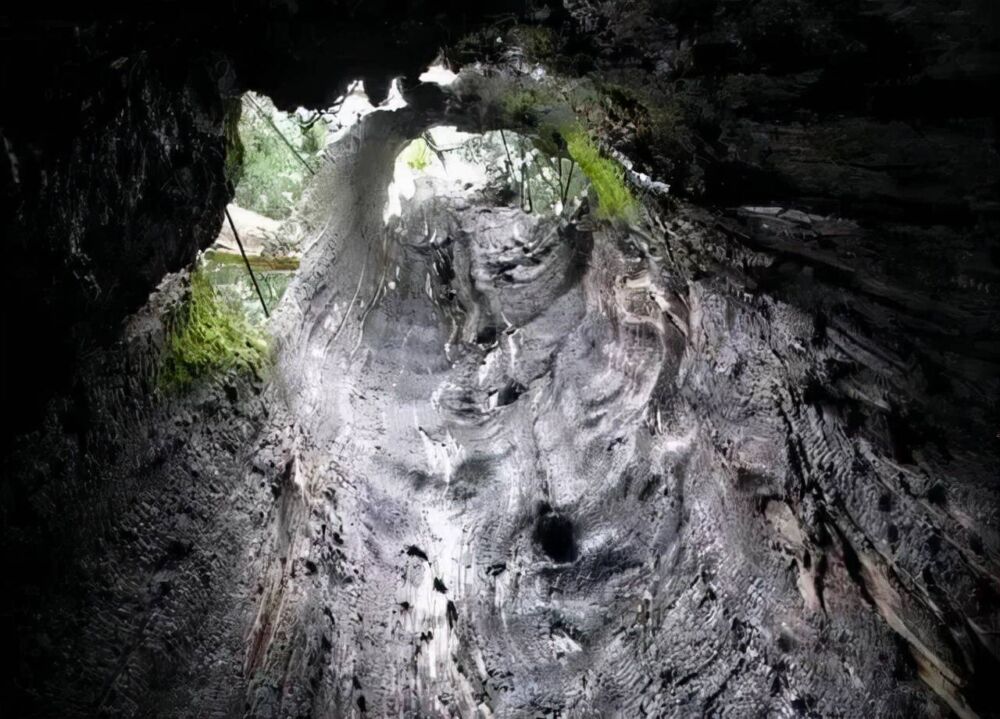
(562, 118)
(209, 337)
(607, 177)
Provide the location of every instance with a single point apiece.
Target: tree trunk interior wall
(741, 461)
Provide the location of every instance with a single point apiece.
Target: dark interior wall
(113, 138)
(876, 110)
(112, 179)
(112, 168)
(881, 113)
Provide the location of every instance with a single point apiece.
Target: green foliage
(537, 173)
(534, 105)
(417, 155)
(522, 104)
(560, 117)
(208, 337)
(479, 45)
(498, 42)
(273, 178)
(615, 200)
(313, 139)
(538, 43)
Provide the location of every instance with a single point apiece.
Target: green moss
(417, 155)
(208, 337)
(562, 118)
(615, 200)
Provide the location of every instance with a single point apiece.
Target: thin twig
(426, 137)
(526, 178)
(253, 279)
(556, 186)
(510, 162)
(569, 179)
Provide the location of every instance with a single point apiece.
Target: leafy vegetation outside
(562, 121)
(417, 155)
(272, 177)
